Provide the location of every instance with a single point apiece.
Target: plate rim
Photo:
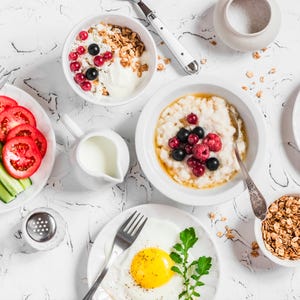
(181, 196)
(157, 206)
(296, 108)
(8, 207)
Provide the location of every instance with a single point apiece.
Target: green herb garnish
(191, 272)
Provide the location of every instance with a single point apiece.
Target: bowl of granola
(184, 140)
(278, 235)
(109, 59)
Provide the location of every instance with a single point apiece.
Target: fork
(124, 238)
(258, 201)
(3, 79)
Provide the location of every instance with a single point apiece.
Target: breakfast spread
(23, 147)
(150, 268)
(281, 230)
(194, 141)
(108, 60)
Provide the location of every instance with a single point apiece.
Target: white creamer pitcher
(100, 157)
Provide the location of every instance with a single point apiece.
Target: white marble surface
(32, 35)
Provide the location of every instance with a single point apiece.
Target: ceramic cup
(247, 25)
(100, 158)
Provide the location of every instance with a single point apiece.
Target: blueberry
(93, 49)
(199, 131)
(178, 154)
(91, 74)
(183, 135)
(212, 164)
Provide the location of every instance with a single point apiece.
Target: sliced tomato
(21, 157)
(12, 117)
(6, 102)
(33, 132)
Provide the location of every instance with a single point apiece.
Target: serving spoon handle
(185, 59)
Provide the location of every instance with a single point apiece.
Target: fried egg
(143, 272)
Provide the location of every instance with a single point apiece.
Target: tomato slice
(33, 132)
(21, 157)
(12, 117)
(6, 102)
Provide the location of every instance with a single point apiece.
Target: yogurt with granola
(108, 60)
(194, 141)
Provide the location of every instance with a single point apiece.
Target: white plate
(40, 177)
(205, 245)
(145, 148)
(296, 120)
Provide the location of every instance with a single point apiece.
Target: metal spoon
(189, 64)
(258, 202)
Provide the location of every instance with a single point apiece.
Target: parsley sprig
(191, 272)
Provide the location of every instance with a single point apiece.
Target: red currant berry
(199, 170)
(192, 162)
(193, 139)
(75, 66)
(174, 142)
(108, 55)
(86, 86)
(73, 56)
(188, 149)
(83, 35)
(80, 50)
(192, 118)
(79, 78)
(99, 60)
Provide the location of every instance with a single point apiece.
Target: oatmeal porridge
(194, 141)
(108, 60)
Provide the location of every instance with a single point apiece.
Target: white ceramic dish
(40, 177)
(205, 245)
(258, 234)
(238, 40)
(120, 20)
(145, 136)
(296, 120)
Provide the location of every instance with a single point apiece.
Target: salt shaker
(43, 229)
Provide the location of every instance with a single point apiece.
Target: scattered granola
(256, 55)
(229, 233)
(249, 74)
(162, 62)
(203, 61)
(262, 79)
(245, 88)
(281, 228)
(223, 219)
(259, 94)
(161, 67)
(219, 234)
(214, 43)
(212, 215)
(272, 71)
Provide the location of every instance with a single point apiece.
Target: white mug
(100, 158)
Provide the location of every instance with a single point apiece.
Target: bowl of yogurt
(184, 140)
(109, 59)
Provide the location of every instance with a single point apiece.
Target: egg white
(118, 282)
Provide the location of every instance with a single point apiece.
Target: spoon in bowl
(258, 201)
(188, 63)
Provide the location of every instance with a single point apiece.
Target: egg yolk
(151, 268)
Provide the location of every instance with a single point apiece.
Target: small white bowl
(144, 139)
(120, 20)
(258, 234)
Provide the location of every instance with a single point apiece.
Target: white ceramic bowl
(258, 234)
(120, 20)
(145, 139)
(296, 120)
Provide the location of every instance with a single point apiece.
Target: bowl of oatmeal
(278, 235)
(184, 140)
(109, 59)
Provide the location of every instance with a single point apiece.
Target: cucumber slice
(12, 185)
(5, 196)
(26, 182)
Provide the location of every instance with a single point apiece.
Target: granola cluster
(281, 228)
(129, 45)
